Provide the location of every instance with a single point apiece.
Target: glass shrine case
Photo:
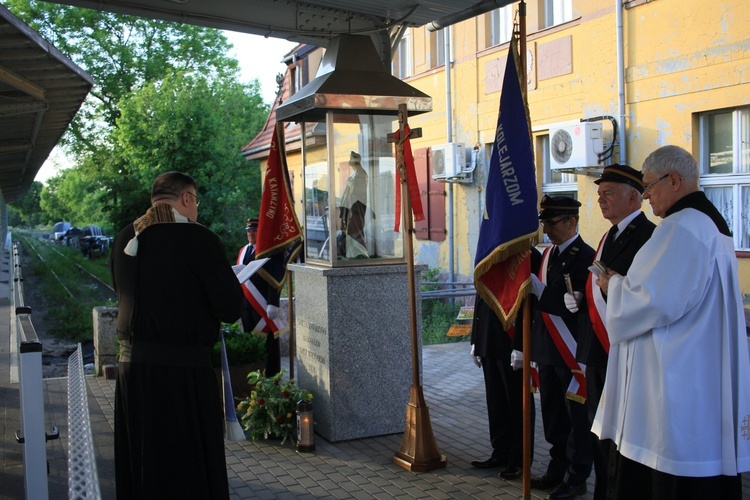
(350, 191)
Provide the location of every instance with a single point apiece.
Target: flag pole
(526, 389)
(419, 451)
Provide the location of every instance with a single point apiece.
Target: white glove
(573, 301)
(516, 360)
(476, 359)
(537, 287)
(272, 311)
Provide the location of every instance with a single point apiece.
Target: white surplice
(677, 391)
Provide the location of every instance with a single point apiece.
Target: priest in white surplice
(676, 400)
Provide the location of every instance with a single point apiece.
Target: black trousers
(601, 448)
(634, 480)
(566, 427)
(250, 318)
(504, 393)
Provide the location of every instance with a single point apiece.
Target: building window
(725, 168)
(554, 12)
(402, 59)
(437, 48)
(501, 25)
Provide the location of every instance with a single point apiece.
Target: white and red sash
(259, 303)
(597, 306)
(565, 343)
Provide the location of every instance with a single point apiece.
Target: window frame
(500, 19)
(737, 180)
(554, 12)
(402, 66)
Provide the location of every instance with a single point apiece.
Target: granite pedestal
(353, 345)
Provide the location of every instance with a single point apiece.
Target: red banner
(278, 228)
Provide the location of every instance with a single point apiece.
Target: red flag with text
(279, 233)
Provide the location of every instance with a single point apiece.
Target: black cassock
(173, 296)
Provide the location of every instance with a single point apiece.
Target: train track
(31, 246)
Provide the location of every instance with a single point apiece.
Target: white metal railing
(32, 434)
(83, 479)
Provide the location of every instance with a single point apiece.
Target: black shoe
(545, 482)
(490, 463)
(510, 472)
(567, 492)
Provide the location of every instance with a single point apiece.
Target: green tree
(28, 210)
(121, 53)
(53, 208)
(196, 125)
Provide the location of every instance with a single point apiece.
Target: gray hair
(668, 159)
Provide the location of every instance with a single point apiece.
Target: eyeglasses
(648, 186)
(551, 223)
(197, 200)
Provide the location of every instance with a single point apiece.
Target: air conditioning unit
(575, 146)
(448, 161)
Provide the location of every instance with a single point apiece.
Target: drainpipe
(619, 8)
(449, 134)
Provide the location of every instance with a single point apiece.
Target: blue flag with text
(502, 265)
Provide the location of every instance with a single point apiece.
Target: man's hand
(476, 359)
(573, 301)
(603, 280)
(516, 360)
(272, 311)
(537, 287)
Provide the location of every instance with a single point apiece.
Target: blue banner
(510, 223)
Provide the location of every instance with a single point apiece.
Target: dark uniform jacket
(617, 256)
(575, 260)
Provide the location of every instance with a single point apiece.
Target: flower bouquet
(271, 407)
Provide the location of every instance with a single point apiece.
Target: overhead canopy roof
(312, 21)
(40, 92)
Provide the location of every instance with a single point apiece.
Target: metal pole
(527, 444)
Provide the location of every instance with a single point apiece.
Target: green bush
(437, 314)
(242, 348)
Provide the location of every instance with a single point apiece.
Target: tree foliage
(122, 53)
(197, 126)
(27, 211)
(166, 96)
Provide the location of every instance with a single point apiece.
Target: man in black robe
(174, 286)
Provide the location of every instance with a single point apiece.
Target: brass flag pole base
(419, 451)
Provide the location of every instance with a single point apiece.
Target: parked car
(58, 231)
(92, 242)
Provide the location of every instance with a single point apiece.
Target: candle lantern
(305, 437)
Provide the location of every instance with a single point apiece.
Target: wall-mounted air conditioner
(448, 161)
(575, 145)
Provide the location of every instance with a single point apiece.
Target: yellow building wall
(681, 57)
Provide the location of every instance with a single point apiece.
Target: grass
(70, 295)
(437, 314)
